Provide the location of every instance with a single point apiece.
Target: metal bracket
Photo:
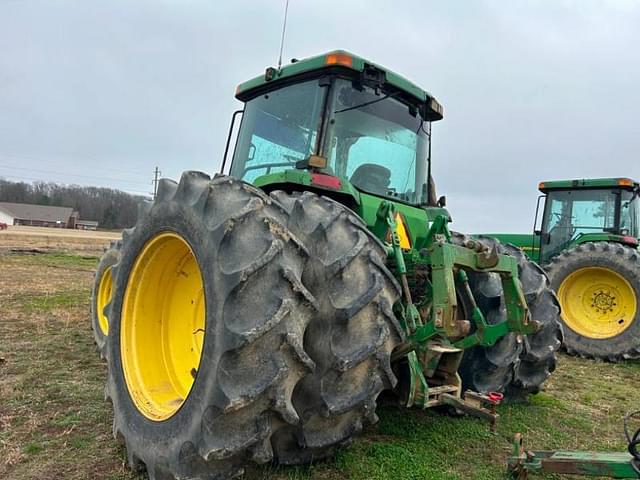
(476, 405)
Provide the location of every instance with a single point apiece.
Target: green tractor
(588, 244)
(257, 317)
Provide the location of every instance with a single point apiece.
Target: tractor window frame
(248, 130)
(632, 198)
(557, 195)
(328, 79)
(424, 132)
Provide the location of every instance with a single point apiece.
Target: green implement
(523, 462)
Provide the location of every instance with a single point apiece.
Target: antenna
(284, 29)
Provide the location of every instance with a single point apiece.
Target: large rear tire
(101, 295)
(206, 334)
(350, 336)
(598, 284)
(515, 366)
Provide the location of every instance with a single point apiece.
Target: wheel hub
(103, 298)
(597, 302)
(162, 326)
(603, 301)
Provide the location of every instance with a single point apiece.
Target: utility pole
(156, 179)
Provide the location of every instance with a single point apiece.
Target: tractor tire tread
(516, 366)
(257, 313)
(351, 335)
(625, 261)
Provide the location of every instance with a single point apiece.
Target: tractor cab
(337, 123)
(578, 211)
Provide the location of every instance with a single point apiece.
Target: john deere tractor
(257, 317)
(588, 244)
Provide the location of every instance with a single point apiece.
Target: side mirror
(442, 201)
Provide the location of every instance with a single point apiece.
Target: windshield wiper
(628, 202)
(371, 102)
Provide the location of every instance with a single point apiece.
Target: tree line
(110, 207)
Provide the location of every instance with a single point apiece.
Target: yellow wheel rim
(162, 326)
(103, 298)
(597, 302)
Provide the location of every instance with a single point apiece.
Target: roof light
(540, 185)
(270, 73)
(625, 182)
(339, 59)
(435, 106)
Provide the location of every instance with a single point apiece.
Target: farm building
(86, 224)
(42, 216)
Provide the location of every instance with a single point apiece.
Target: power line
(48, 160)
(132, 182)
(32, 179)
(156, 179)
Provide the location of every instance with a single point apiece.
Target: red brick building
(40, 216)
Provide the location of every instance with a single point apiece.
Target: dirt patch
(55, 239)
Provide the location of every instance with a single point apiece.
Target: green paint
(588, 464)
(288, 73)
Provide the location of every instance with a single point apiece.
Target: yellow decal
(403, 236)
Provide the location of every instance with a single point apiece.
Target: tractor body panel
(338, 59)
(416, 220)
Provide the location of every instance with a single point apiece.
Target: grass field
(55, 424)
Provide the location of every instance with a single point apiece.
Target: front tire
(101, 295)
(598, 284)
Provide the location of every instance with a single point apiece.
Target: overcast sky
(100, 92)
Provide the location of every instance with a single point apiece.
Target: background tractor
(588, 244)
(257, 317)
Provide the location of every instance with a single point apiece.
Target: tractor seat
(372, 178)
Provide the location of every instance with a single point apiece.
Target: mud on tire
(256, 314)
(516, 367)
(351, 335)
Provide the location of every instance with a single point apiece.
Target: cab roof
(332, 60)
(586, 183)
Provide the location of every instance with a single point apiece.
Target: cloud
(532, 90)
